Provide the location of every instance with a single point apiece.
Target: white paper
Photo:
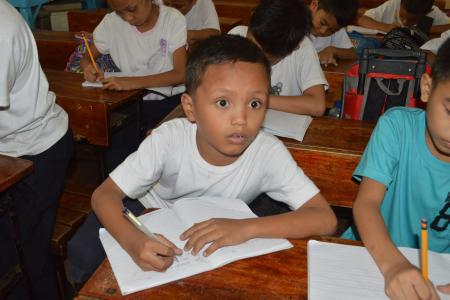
(166, 91)
(166, 221)
(364, 30)
(286, 124)
(337, 271)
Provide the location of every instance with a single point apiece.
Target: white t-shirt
(30, 121)
(388, 13)
(148, 52)
(202, 15)
(169, 166)
(339, 39)
(295, 73)
(434, 44)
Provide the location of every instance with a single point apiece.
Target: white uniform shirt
(169, 166)
(30, 121)
(388, 13)
(148, 52)
(434, 44)
(202, 15)
(339, 39)
(295, 73)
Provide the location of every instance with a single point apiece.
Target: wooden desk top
(279, 275)
(12, 170)
(89, 109)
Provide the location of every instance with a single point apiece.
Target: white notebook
(171, 222)
(286, 124)
(166, 91)
(338, 271)
(364, 30)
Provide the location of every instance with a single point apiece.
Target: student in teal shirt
(405, 176)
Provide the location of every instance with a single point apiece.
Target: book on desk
(171, 222)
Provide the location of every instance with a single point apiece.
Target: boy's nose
(239, 116)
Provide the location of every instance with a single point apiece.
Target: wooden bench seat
(54, 48)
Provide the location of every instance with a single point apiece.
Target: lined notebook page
(286, 124)
(338, 271)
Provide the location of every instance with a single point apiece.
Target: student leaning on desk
(405, 177)
(218, 151)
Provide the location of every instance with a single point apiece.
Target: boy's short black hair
(441, 65)
(418, 7)
(343, 10)
(221, 49)
(280, 25)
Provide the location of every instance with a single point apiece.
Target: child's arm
(438, 29)
(401, 277)
(368, 22)
(90, 74)
(146, 253)
(169, 78)
(315, 217)
(312, 102)
(330, 54)
(194, 36)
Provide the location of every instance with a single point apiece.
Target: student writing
(218, 150)
(405, 176)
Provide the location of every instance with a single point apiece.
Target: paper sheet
(286, 124)
(337, 271)
(364, 30)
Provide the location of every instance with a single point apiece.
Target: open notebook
(338, 271)
(364, 30)
(171, 222)
(286, 124)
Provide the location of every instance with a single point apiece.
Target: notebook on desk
(171, 222)
(337, 271)
(364, 30)
(286, 124)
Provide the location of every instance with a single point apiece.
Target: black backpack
(404, 38)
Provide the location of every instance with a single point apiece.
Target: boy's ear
(314, 4)
(426, 84)
(188, 106)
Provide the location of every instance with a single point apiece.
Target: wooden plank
(54, 48)
(85, 20)
(12, 170)
(75, 202)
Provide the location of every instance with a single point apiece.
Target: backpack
(361, 42)
(409, 38)
(383, 78)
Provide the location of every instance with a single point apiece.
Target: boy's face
(229, 107)
(184, 6)
(438, 117)
(408, 19)
(324, 23)
(135, 12)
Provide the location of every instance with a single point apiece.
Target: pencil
(424, 249)
(90, 53)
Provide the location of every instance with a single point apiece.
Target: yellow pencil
(90, 53)
(424, 249)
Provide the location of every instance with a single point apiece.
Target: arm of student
(438, 29)
(169, 78)
(198, 35)
(90, 74)
(368, 22)
(402, 279)
(146, 253)
(445, 289)
(330, 54)
(315, 217)
(312, 102)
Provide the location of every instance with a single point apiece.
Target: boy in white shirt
(33, 127)
(218, 151)
(201, 18)
(433, 45)
(329, 37)
(404, 13)
(281, 28)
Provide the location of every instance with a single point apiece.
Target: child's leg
(36, 199)
(263, 206)
(154, 111)
(85, 251)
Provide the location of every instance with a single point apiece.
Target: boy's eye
(255, 104)
(131, 9)
(222, 103)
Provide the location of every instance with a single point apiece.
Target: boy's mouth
(237, 138)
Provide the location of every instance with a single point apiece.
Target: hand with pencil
(90, 69)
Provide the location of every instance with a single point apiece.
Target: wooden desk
(329, 153)
(279, 275)
(54, 48)
(12, 170)
(335, 76)
(89, 109)
(226, 24)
